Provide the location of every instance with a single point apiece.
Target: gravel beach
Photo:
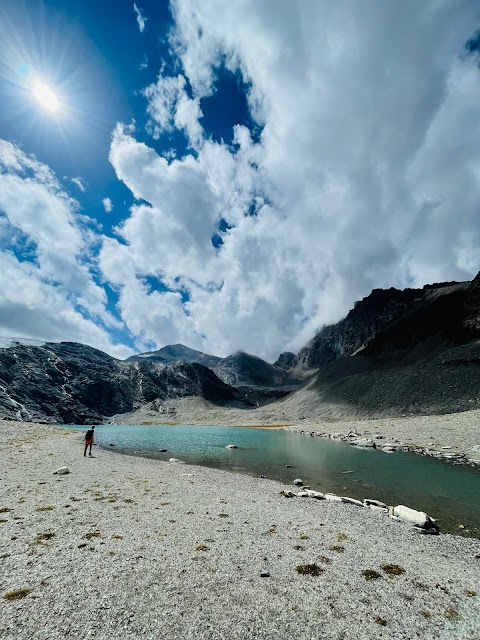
(126, 547)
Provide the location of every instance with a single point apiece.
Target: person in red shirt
(89, 440)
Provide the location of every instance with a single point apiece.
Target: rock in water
(62, 471)
(297, 482)
(231, 446)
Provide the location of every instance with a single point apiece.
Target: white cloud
(367, 172)
(107, 205)
(170, 107)
(141, 19)
(49, 292)
(80, 184)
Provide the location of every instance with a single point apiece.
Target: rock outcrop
(72, 383)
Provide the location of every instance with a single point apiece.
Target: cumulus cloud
(141, 19)
(107, 205)
(47, 290)
(366, 172)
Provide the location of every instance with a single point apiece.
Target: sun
(46, 96)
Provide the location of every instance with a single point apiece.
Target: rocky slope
(177, 353)
(424, 359)
(239, 369)
(74, 383)
(363, 322)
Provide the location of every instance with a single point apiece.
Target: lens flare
(46, 96)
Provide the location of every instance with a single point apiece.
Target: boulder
(363, 442)
(417, 519)
(297, 482)
(62, 471)
(231, 446)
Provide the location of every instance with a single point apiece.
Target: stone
(314, 494)
(297, 482)
(363, 442)
(417, 519)
(388, 449)
(61, 471)
(162, 450)
(176, 460)
(288, 494)
(264, 574)
(231, 446)
(331, 497)
(376, 503)
(348, 500)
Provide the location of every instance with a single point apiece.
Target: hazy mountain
(177, 353)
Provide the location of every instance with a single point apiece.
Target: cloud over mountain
(366, 171)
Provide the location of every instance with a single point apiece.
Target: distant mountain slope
(243, 369)
(74, 383)
(238, 369)
(177, 353)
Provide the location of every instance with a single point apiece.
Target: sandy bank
(134, 548)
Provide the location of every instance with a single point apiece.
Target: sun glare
(46, 96)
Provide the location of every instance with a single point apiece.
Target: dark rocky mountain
(176, 353)
(238, 369)
(286, 360)
(424, 359)
(367, 318)
(243, 369)
(73, 383)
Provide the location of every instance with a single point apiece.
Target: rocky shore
(135, 548)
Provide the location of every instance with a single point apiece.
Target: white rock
(363, 443)
(418, 519)
(375, 503)
(62, 471)
(298, 482)
(176, 460)
(331, 497)
(231, 446)
(388, 449)
(314, 494)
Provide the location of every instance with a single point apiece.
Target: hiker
(89, 440)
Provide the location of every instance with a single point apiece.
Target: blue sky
(230, 176)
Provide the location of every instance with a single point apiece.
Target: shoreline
(137, 547)
(453, 437)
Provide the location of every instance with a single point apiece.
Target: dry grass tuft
(309, 569)
(371, 574)
(392, 569)
(17, 594)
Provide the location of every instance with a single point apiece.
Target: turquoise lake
(450, 493)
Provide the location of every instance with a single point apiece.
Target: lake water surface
(447, 492)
